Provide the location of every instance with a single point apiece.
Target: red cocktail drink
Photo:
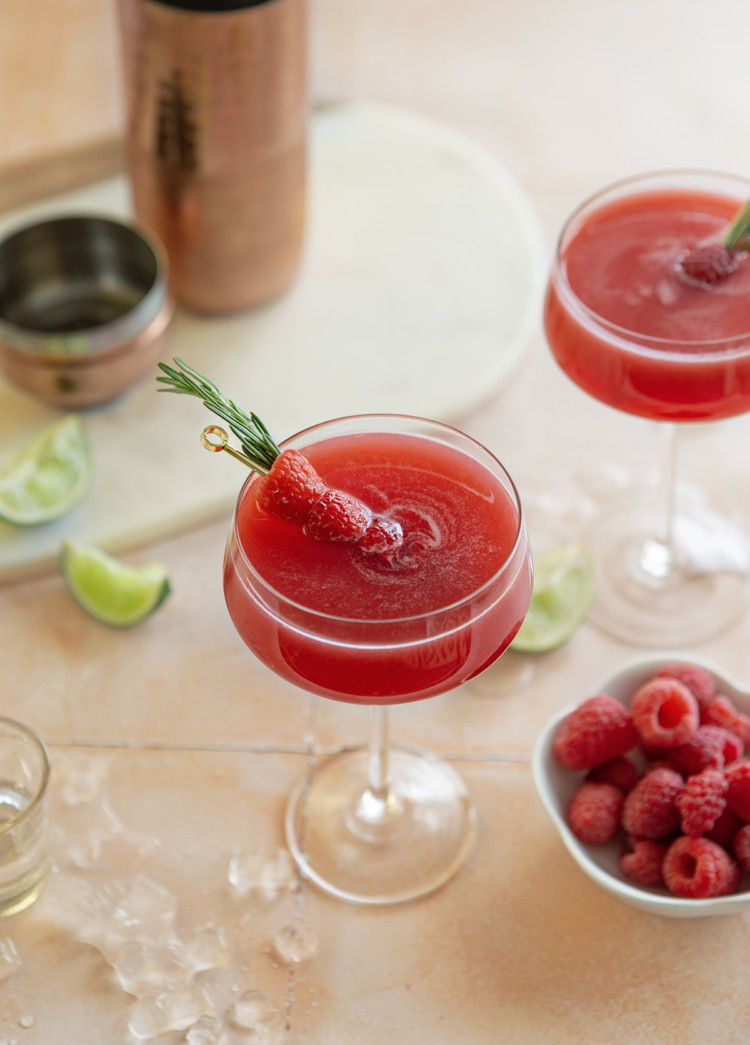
(629, 322)
(625, 324)
(381, 824)
(346, 624)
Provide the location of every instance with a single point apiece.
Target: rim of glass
(589, 203)
(381, 621)
(37, 797)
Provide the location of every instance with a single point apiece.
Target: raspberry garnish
(699, 681)
(621, 771)
(702, 801)
(650, 809)
(337, 516)
(594, 813)
(665, 713)
(382, 537)
(738, 789)
(642, 860)
(292, 487)
(698, 868)
(709, 263)
(722, 712)
(597, 731)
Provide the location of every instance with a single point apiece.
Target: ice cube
(207, 949)
(276, 874)
(10, 962)
(254, 869)
(270, 1029)
(295, 943)
(208, 1030)
(250, 1007)
(244, 870)
(175, 1009)
(143, 970)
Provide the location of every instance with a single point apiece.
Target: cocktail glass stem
(659, 555)
(378, 802)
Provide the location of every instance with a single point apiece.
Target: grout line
(309, 749)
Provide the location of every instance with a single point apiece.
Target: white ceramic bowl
(556, 785)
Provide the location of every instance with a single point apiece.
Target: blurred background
(568, 95)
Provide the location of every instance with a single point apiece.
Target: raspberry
(725, 829)
(699, 681)
(597, 731)
(621, 771)
(698, 868)
(650, 809)
(594, 813)
(383, 536)
(642, 861)
(337, 516)
(702, 801)
(741, 847)
(738, 789)
(291, 487)
(710, 747)
(709, 263)
(722, 712)
(665, 713)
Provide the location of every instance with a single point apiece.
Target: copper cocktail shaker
(216, 101)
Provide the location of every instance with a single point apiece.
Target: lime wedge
(48, 476)
(561, 599)
(110, 590)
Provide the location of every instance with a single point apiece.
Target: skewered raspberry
(642, 860)
(594, 813)
(698, 868)
(596, 731)
(337, 516)
(650, 809)
(382, 537)
(702, 801)
(291, 488)
(709, 263)
(665, 713)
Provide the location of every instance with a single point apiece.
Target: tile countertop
(173, 750)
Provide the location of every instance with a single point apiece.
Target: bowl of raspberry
(648, 783)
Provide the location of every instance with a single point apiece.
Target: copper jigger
(217, 141)
(85, 308)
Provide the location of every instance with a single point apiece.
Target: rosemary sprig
(255, 438)
(737, 236)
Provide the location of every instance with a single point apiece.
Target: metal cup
(84, 308)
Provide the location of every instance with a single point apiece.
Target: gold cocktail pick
(215, 439)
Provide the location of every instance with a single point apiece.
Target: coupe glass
(668, 573)
(380, 824)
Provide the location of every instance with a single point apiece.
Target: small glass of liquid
(24, 801)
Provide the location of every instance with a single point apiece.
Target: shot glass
(24, 800)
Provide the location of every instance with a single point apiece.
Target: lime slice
(110, 590)
(48, 476)
(561, 599)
